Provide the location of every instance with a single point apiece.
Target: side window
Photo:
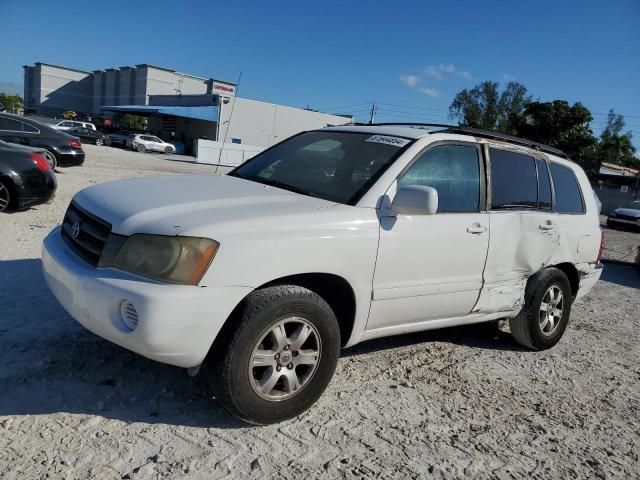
(29, 128)
(454, 171)
(544, 186)
(513, 180)
(11, 125)
(567, 190)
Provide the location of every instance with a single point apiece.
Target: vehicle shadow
(621, 273)
(49, 363)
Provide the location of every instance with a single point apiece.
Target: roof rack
(478, 132)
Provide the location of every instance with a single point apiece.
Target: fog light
(129, 315)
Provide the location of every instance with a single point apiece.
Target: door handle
(476, 228)
(548, 225)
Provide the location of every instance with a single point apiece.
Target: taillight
(40, 162)
(75, 143)
(601, 251)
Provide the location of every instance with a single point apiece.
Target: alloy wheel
(551, 310)
(284, 359)
(5, 197)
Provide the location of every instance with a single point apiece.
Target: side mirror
(415, 200)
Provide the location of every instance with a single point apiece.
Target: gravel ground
(462, 402)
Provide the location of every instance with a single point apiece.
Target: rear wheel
(99, 142)
(141, 148)
(545, 315)
(6, 195)
(51, 159)
(278, 359)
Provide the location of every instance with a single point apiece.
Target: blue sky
(409, 57)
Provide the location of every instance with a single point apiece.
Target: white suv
(327, 239)
(65, 125)
(151, 143)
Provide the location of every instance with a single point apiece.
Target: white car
(150, 143)
(330, 238)
(64, 125)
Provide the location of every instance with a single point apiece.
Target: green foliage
(563, 126)
(12, 103)
(485, 106)
(134, 122)
(615, 146)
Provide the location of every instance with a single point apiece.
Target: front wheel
(545, 315)
(278, 359)
(168, 150)
(99, 142)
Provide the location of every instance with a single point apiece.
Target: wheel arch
(334, 289)
(572, 274)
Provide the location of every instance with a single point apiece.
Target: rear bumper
(36, 188)
(70, 157)
(176, 323)
(589, 275)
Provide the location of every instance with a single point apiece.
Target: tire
(99, 142)
(141, 148)
(51, 159)
(247, 392)
(168, 150)
(533, 328)
(7, 200)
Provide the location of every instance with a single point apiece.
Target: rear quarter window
(568, 196)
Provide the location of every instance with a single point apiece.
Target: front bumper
(176, 323)
(622, 222)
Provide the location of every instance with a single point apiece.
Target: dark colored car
(625, 217)
(120, 137)
(60, 148)
(89, 136)
(25, 177)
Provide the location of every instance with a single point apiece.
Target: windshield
(335, 166)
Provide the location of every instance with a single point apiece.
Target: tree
(615, 146)
(484, 106)
(563, 126)
(12, 103)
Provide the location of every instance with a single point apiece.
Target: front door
(430, 266)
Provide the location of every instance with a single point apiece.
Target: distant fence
(614, 196)
(233, 154)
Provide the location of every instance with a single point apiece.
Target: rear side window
(544, 186)
(513, 180)
(453, 170)
(567, 190)
(10, 125)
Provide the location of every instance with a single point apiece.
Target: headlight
(182, 260)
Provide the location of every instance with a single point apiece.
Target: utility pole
(372, 116)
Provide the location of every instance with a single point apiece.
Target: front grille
(86, 234)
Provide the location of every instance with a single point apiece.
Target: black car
(60, 148)
(88, 135)
(25, 177)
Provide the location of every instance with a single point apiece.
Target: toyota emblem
(75, 229)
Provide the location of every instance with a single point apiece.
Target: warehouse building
(179, 107)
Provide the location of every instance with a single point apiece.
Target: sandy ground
(463, 402)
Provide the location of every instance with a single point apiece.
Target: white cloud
(11, 87)
(442, 71)
(432, 92)
(507, 77)
(410, 80)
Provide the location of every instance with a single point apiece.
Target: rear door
(429, 267)
(11, 131)
(524, 228)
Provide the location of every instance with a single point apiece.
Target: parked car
(62, 124)
(25, 177)
(89, 136)
(151, 143)
(261, 276)
(628, 217)
(120, 137)
(60, 148)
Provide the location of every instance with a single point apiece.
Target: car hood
(631, 212)
(187, 204)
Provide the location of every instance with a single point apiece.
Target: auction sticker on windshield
(395, 141)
